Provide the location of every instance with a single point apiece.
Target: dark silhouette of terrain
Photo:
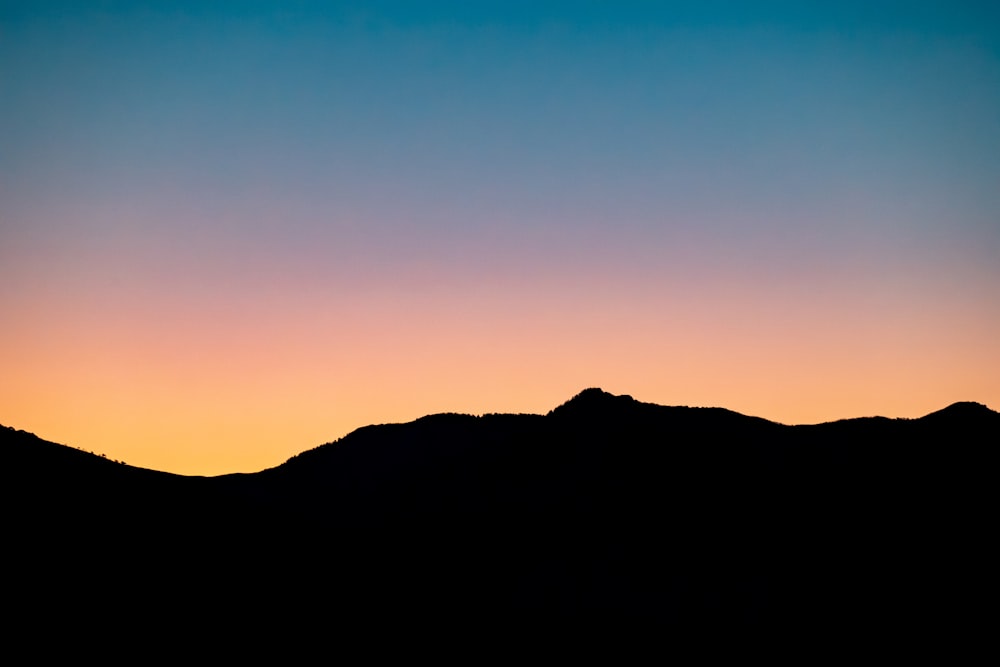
(604, 512)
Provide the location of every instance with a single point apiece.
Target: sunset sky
(233, 231)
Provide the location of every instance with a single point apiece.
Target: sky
(233, 231)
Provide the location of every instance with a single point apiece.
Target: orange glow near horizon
(210, 384)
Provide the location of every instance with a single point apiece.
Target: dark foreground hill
(605, 512)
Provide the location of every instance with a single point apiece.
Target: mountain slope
(605, 510)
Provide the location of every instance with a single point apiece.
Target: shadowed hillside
(606, 510)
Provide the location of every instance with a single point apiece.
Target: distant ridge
(605, 511)
(590, 403)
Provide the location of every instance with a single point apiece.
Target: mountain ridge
(592, 402)
(604, 511)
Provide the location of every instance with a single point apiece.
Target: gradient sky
(232, 231)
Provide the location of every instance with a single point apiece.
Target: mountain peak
(962, 410)
(591, 399)
(593, 394)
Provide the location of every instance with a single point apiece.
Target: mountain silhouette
(606, 511)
